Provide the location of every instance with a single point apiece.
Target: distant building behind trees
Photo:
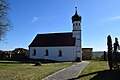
(87, 53)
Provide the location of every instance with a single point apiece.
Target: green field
(98, 70)
(13, 70)
(96, 56)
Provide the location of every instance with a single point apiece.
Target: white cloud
(114, 18)
(117, 17)
(34, 19)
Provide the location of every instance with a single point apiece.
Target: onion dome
(76, 17)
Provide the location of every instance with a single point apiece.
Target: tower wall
(77, 36)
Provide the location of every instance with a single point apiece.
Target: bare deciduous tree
(5, 24)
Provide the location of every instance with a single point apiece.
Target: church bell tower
(76, 21)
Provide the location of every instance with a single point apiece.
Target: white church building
(59, 46)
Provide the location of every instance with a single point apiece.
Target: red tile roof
(53, 39)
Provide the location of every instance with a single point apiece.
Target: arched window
(60, 53)
(76, 24)
(46, 54)
(34, 52)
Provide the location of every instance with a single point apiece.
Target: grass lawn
(98, 70)
(11, 70)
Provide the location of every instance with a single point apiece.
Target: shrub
(78, 59)
(37, 63)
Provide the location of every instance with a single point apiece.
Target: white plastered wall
(68, 53)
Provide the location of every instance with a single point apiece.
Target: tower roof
(76, 17)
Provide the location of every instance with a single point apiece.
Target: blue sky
(30, 17)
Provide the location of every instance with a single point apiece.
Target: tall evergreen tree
(109, 44)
